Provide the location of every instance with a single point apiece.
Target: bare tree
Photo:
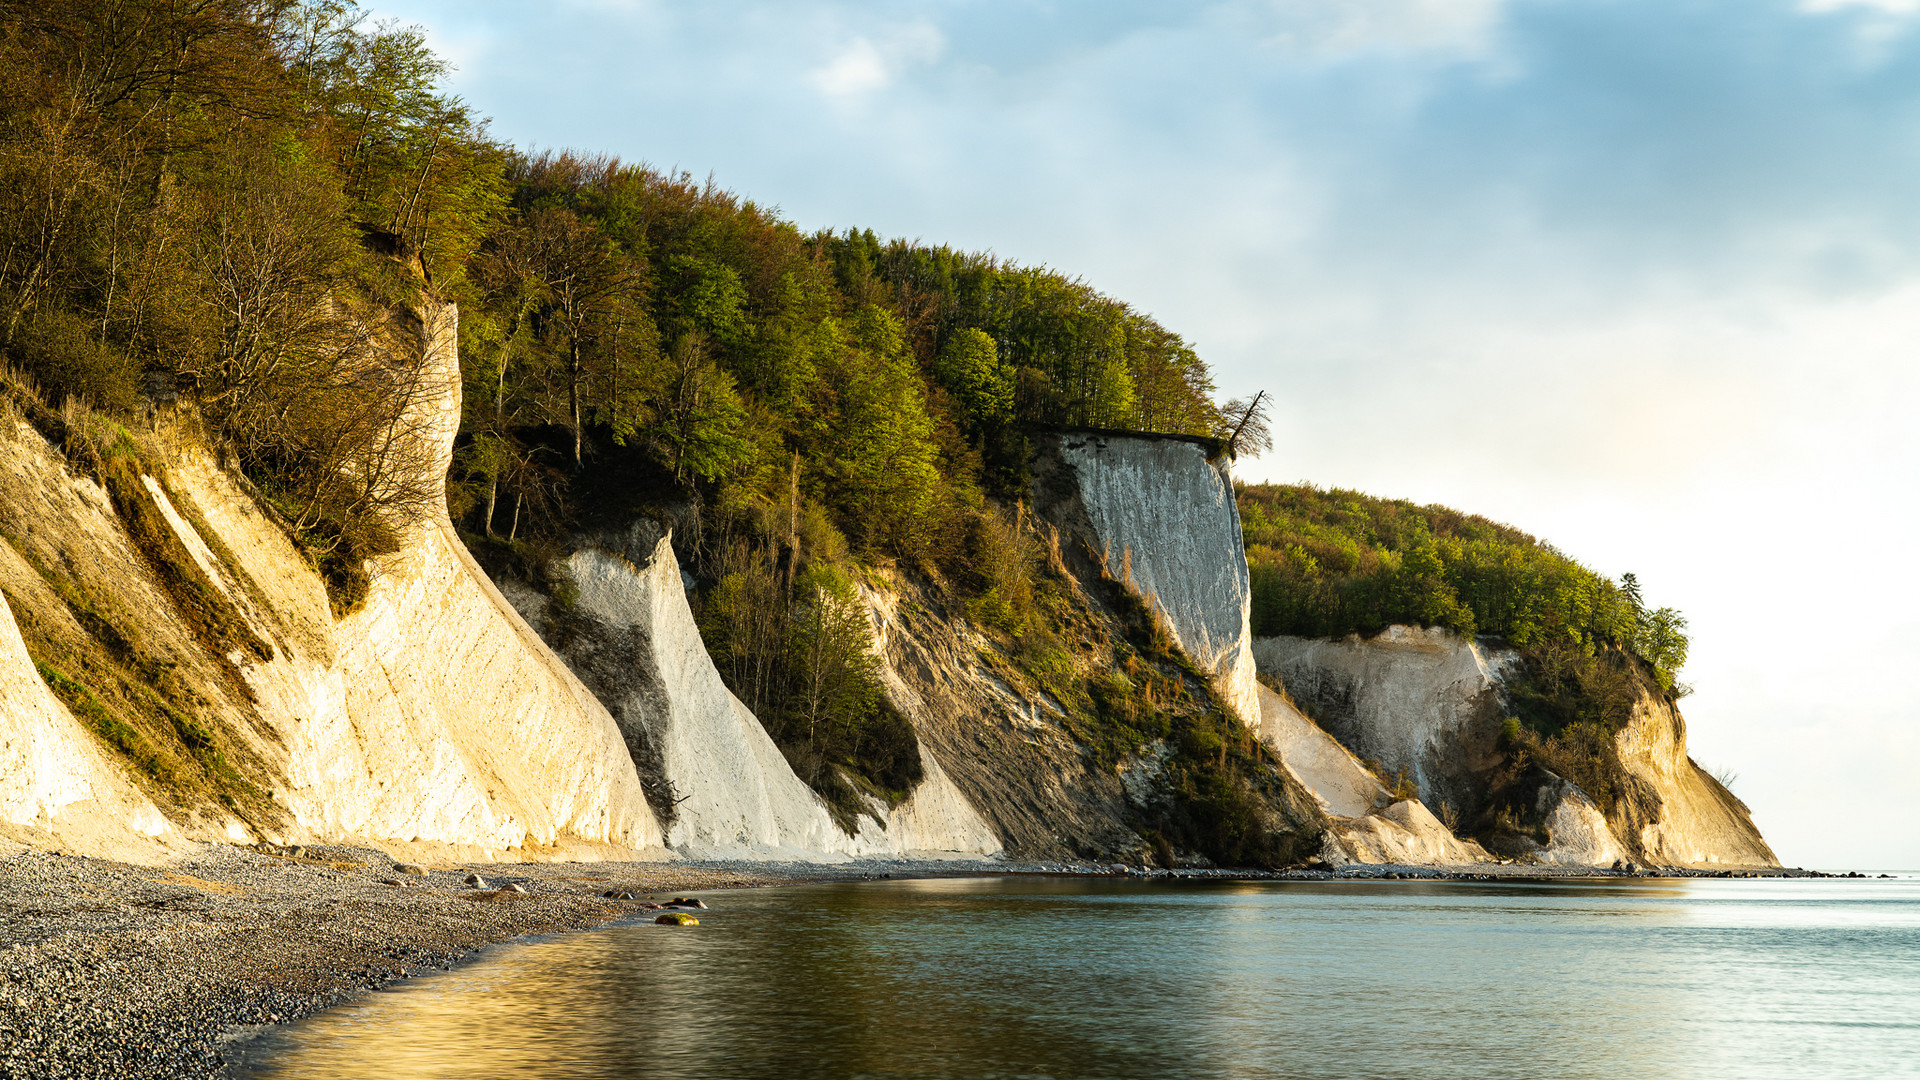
(1243, 426)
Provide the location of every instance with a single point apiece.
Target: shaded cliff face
(1367, 822)
(1002, 741)
(1155, 514)
(431, 720)
(711, 769)
(1427, 703)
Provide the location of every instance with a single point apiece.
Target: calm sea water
(1036, 977)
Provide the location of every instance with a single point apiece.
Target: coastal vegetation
(239, 205)
(1327, 563)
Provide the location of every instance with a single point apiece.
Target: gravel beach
(113, 970)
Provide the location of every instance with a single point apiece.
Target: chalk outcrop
(1157, 514)
(1428, 705)
(1423, 703)
(1577, 832)
(431, 719)
(1367, 822)
(713, 771)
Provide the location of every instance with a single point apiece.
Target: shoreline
(114, 970)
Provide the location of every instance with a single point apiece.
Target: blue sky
(1642, 278)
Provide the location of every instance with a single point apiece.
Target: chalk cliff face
(712, 769)
(1158, 515)
(1696, 821)
(431, 720)
(1368, 823)
(1421, 702)
(58, 789)
(1427, 704)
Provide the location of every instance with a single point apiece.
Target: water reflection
(1043, 977)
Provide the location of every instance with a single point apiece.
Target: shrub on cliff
(797, 649)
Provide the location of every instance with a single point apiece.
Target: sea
(1066, 977)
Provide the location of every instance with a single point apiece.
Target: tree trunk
(793, 521)
(573, 398)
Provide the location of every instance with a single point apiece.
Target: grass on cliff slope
(101, 650)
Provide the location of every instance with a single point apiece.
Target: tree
(699, 417)
(587, 284)
(1243, 425)
(970, 369)
(836, 675)
(877, 434)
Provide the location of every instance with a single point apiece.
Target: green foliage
(1326, 563)
(970, 369)
(189, 196)
(624, 309)
(60, 352)
(799, 652)
(1224, 799)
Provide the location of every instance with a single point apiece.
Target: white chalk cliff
(1160, 514)
(1428, 703)
(431, 720)
(1420, 702)
(732, 791)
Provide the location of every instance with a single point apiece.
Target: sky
(1641, 277)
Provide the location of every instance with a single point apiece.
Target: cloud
(1343, 29)
(864, 65)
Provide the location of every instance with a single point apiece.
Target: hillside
(352, 453)
(1576, 675)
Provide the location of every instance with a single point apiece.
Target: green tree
(836, 675)
(970, 369)
(701, 421)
